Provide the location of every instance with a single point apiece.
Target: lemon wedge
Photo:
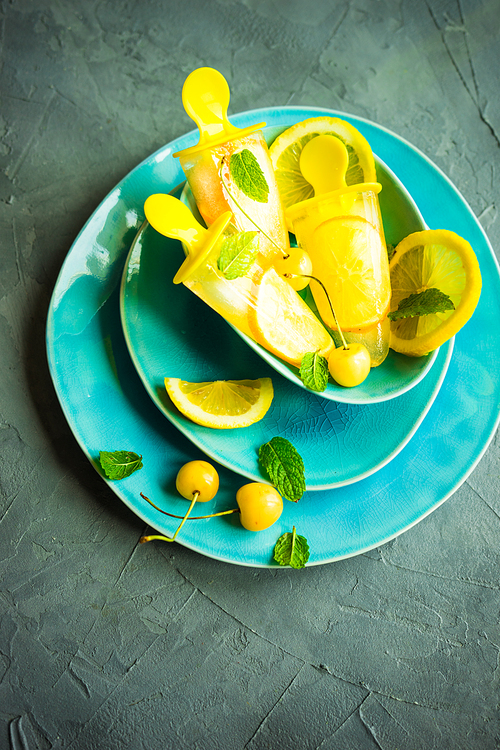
(222, 404)
(433, 259)
(285, 154)
(282, 323)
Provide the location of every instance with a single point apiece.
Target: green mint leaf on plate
(237, 253)
(314, 371)
(119, 464)
(423, 303)
(248, 175)
(284, 466)
(292, 549)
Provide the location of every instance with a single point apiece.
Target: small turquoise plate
(108, 408)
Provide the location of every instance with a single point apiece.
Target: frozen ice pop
(341, 229)
(230, 169)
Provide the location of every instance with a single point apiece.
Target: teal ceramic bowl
(398, 373)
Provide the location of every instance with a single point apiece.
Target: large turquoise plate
(108, 408)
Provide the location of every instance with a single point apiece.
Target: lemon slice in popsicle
(281, 322)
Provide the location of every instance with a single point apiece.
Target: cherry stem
(172, 539)
(307, 276)
(185, 518)
(150, 538)
(243, 210)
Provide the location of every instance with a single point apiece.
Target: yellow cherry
(349, 365)
(295, 267)
(260, 505)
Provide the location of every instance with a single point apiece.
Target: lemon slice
(282, 323)
(285, 154)
(223, 404)
(355, 272)
(433, 259)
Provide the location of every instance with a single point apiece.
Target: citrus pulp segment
(282, 323)
(222, 404)
(285, 154)
(433, 259)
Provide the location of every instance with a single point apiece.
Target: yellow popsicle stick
(205, 96)
(323, 163)
(172, 218)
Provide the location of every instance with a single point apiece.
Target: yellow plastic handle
(205, 96)
(173, 219)
(323, 163)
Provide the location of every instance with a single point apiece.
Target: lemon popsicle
(230, 168)
(341, 229)
(227, 273)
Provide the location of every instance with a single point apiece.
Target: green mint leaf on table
(292, 549)
(284, 466)
(423, 303)
(314, 371)
(248, 175)
(237, 253)
(119, 464)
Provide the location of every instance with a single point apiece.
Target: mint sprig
(314, 371)
(284, 466)
(237, 253)
(292, 549)
(119, 464)
(428, 302)
(248, 175)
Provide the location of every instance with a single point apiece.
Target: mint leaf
(284, 466)
(390, 251)
(248, 175)
(237, 253)
(119, 464)
(292, 549)
(423, 303)
(314, 371)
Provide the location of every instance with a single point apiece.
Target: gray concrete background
(106, 647)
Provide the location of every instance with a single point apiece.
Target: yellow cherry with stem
(295, 267)
(348, 364)
(259, 505)
(349, 369)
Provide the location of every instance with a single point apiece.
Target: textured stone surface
(107, 647)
